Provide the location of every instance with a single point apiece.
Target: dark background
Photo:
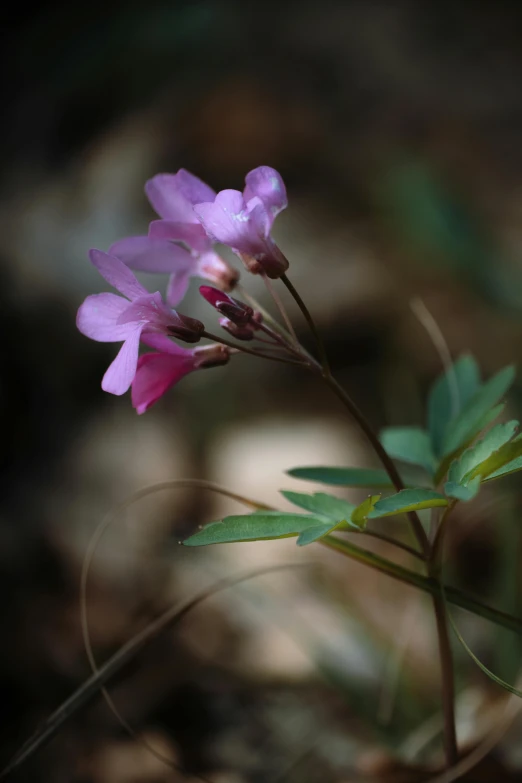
(396, 126)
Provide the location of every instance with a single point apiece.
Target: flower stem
(447, 681)
(242, 349)
(280, 306)
(310, 321)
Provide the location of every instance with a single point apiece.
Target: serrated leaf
(409, 444)
(407, 500)
(321, 503)
(343, 477)
(253, 527)
(472, 458)
(469, 422)
(449, 395)
(312, 534)
(360, 514)
(463, 492)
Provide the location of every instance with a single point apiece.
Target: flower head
(173, 197)
(127, 318)
(244, 221)
(157, 372)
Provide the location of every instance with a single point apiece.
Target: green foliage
(463, 492)
(410, 444)
(360, 514)
(470, 420)
(407, 500)
(504, 457)
(253, 527)
(322, 504)
(448, 396)
(469, 462)
(344, 477)
(312, 534)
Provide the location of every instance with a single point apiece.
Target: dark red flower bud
(187, 329)
(245, 332)
(236, 311)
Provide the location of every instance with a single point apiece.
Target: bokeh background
(396, 126)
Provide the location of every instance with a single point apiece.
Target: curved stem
(386, 461)
(311, 323)
(389, 540)
(280, 306)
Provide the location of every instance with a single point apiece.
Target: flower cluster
(181, 243)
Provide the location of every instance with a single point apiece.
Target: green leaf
(360, 514)
(469, 422)
(463, 492)
(407, 500)
(344, 477)
(449, 394)
(320, 503)
(409, 444)
(510, 467)
(505, 455)
(253, 527)
(470, 460)
(312, 534)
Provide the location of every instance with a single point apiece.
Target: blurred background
(396, 126)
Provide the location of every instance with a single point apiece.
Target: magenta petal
(172, 195)
(192, 234)
(117, 274)
(98, 318)
(267, 184)
(121, 372)
(151, 255)
(162, 343)
(156, 374)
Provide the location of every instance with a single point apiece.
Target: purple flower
(111, 318)
(243, 221)
(173, 197)
(158, 372)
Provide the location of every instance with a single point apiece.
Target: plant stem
(425, 583)
(386, 461)
(310, 321)
(242, 349)
(447, 681)
(278, 303)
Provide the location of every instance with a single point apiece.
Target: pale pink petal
(150, 310)
(192, 234)
(172, 195)
(121, 372)
(117, 274)
(162, 343)
(152, 255)
(156, 374)
(177, 287)
(226, 220)
(212, 267)
(267, 184)
(98, 318)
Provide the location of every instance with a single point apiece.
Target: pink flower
(158, 372)
(173, 197)
(111, 318)
(243, 221)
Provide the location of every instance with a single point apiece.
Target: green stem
(426, 583)
(386, 461)
(447, 681)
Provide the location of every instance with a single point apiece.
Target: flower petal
(225, 220)
(173, 195)
(98, 318)
(156, 374)
(162, 343)
(177, 287)
(267, 184)
(121, 372)
(151, 255)
(192, 234)
(151, 311)
(117, 274)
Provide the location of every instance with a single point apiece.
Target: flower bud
(239, 332)
(212, 355)
(187, 329)
(236, 311)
